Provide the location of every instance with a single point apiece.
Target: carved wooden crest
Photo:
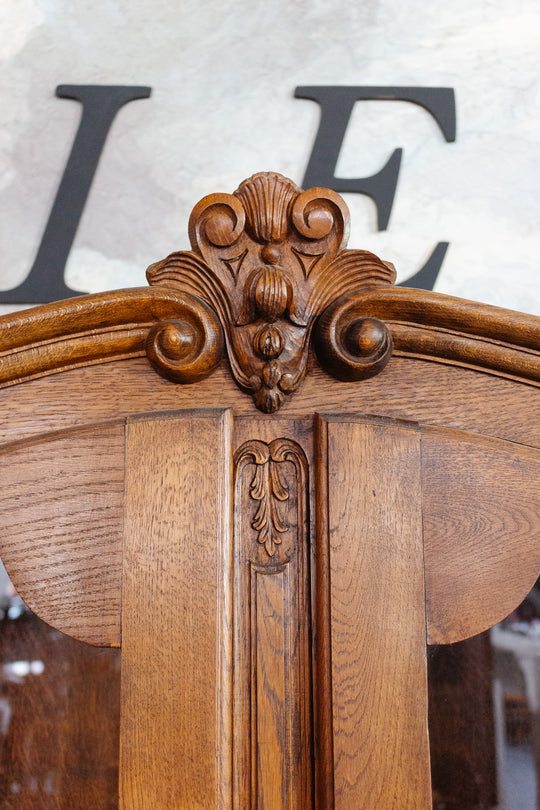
(267, 277)
(269, 261)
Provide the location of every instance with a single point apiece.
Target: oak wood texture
(371, 623)
(61, 531)
(273, 714)
(451, 330)
(268, 259)
(175, 727)
(180, 334)
(273, 630)
(411, 389)
(481, 507)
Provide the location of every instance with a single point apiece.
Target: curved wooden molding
(268, 269)
(430, 326)
(62, 527)
(180, 334)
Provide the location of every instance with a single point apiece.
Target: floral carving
(269, 260)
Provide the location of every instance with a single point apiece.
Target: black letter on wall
(336, 108)
(45, 282)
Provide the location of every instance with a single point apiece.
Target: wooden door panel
(273, 709)
(211, 589)
(481, 503)
(204, 535)
(61, 528)
(371, 617)
(175, 731)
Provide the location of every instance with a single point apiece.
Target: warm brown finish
(481, 531)
(374, 672)
(175, 734)
(61, 528)
(450, 330)
(269, 260)
(273, 723)
(271, 566)
(266, 262)
(419, 391)
(180, 334)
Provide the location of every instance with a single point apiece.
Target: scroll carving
(269, 259)
(180, 334)
(268, 275)
(349, 344)
(187, 348)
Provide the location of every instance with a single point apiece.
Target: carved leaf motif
(272, 625)
(269, 488)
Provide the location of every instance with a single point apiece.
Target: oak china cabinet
(270, 478)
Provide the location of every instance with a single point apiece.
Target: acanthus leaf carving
(269, 488)
(270, 259)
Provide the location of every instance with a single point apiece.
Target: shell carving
(269, 260)
(267, 200)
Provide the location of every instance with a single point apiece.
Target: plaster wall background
(223, 107)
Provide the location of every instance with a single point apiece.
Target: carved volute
(269, 260)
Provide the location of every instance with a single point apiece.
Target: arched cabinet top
(268, 279)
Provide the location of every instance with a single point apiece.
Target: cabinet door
(272, 584)
(371, 631)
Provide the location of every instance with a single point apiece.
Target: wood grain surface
(269, 259)
(273, 710)
(178, 332)
(373, 670)
(453, 330)
(175, 737)
(220, 634)
(61, 528)
(481, 530)
(411, 389)
(267, 266)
